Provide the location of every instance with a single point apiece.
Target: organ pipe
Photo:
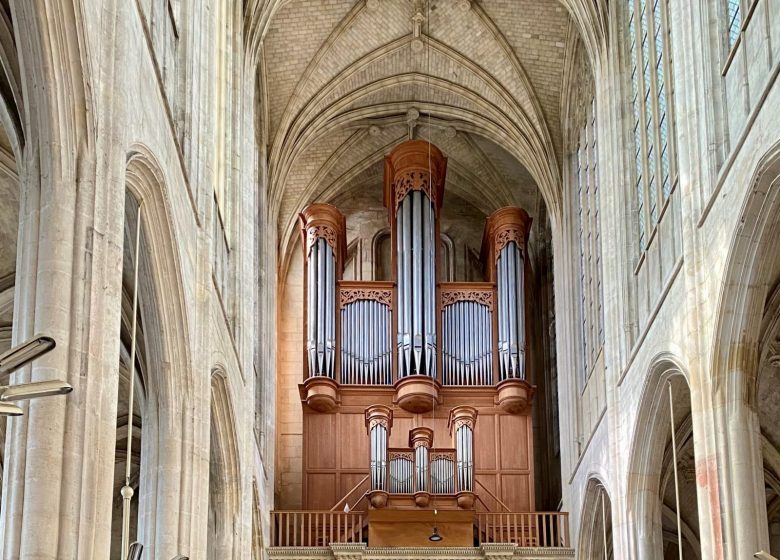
(503, 253)
(414, 181)
(366, 352)
(323, 236)
(462, 422)
(417, 286)
(379, 421)
(467, 342)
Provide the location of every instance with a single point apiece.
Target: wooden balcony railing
(534, 529)
(315, 528)
(321, 528)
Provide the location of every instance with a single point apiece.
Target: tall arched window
(734, 21)
(589, 229)
(655, 160)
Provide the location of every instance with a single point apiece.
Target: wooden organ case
(415, 391)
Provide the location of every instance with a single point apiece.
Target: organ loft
(417, 396)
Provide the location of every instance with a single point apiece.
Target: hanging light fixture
(435, 536)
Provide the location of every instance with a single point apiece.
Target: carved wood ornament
(413, 180)
(351, 295)
(313, 233)
(483, 297)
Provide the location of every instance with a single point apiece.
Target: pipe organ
(397, 373)
(506, 243)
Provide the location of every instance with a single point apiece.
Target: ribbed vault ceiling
(346, 80)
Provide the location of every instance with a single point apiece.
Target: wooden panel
(336, 446)
(321, 444)
(321, 491)
(399, 435)
(485, 449)
(516, 491)
(514, 442)
(353, 442)
(489, 481)
(398, 528)
(347, 482)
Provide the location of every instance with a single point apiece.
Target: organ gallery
(416, 392)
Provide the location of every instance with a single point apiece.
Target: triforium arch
(171, 458)
(651, 486)
(224, 536)
(743, 347)
(595, 541)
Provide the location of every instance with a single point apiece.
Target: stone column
(60, 454)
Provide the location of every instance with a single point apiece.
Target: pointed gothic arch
(224, 474)
(650, 490)
(595, 541)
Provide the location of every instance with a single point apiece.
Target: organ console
(418, 386)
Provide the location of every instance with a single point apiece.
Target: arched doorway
(224, 483)
(595, 541)
(664, 417)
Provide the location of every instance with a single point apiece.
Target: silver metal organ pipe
(330, 305)
(512, 289)
(373, 458)
(511, 319)
(520, 303)
(430, 292)
(417, 292)
(503, 328)
(311, 340)
(406, 206)
(320, 306)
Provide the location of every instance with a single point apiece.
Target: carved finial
(417, 22)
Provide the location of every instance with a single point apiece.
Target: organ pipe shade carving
(322, 229)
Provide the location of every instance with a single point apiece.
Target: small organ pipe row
(401, 475)
(464, 449)
(511, 315)
(442, 476)
(416, 252)
(366, 351)
(378, 435)
(321, 302)
(421, 468)
(467, 344)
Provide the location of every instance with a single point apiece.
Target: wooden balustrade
(315, 528)
(321, 528)
(534, 529)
